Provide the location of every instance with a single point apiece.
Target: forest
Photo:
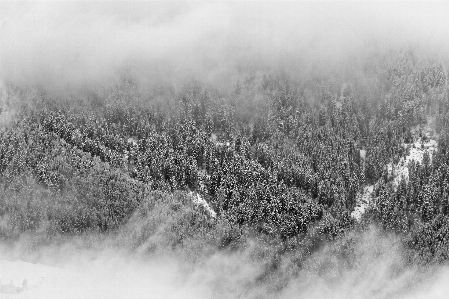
(279, 160)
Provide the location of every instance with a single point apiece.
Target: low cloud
(55, 44)
(376, 270)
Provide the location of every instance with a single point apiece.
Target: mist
(80, 270)
(88, 45)
(60, 44)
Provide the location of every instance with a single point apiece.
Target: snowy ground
(20, 279)
(417, 151)
(198, 200)
(108, 277)
(421, 145)
(363, 201)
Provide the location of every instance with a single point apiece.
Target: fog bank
(55, 44)
(377, 270)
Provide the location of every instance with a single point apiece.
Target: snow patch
(363, 201)
(362, 154)
(417, 150)
(132, 142)
(109, 276)
(424, 141)
(214, 139)
(20, 279)
(197, 199)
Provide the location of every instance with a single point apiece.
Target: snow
(417, 150)
(217, 143)
(363, 201)
(132, 142)
(397, 171)
(20, 279)
(105, 277)
(222, 144)
(197, 199)
(362, 154)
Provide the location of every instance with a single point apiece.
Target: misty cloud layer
(378, 272)
(58, 43)
(76, 44)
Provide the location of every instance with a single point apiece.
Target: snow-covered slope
(426, 142)
(420, 146)
(106, 277)
(363, 200)
(197, 199)
(20, 279)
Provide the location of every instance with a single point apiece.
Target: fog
(104, 271)
(59, 44)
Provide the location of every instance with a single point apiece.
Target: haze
(57, 44)
(64, 45)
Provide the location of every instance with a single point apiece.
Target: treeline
(276, 157)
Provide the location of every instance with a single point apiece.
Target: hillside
(293, 166)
